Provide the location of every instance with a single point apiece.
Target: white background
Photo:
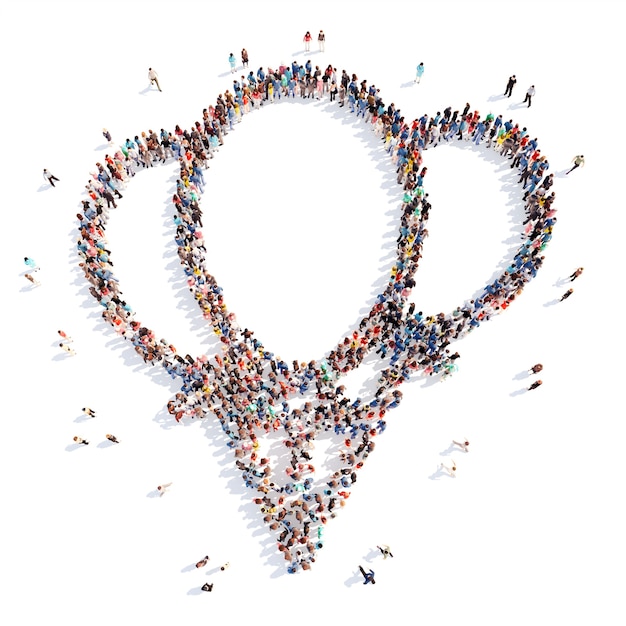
(301, 216)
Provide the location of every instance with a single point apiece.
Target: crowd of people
(245, 386)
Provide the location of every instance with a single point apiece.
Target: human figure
(576, 274)
(107, 135)
(419, 72)
(451, 469)
(567, 294)
(202, 562)
(87, 411)
(244, 57)
(509, 86)
(31, 263)
(321, 40)
(536, 384)
(368, 576)
(81, 440)
(385, 551)
(30, 278)
(225, 566)
(154, 79)
(207, 587)
(535, 369)
(307, 41)
(112, 438)
(529, 94)
(49, 177)
(464, 445)
(578, 161)
(163, 488)
(66, 338)
(67, 349)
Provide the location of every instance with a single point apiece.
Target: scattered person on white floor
(574, 275)
(509, 86)
(31, 264)
(536, 384)
(450, 469)
(163, 488)
(67, 349)
(578, 161)
(207, 587)
(32, 279)
(368, 576)
(202, 562)
(385, 551)
(419, 72)
(66, 338)
(89, 412)
(112, 438)
(81, 440)
(49, 177)
(154, 78)
(529, 95)
(321, 40)
(464, 445)
(535, 369)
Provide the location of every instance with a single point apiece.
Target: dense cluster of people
(246, 387)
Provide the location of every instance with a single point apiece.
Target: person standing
(385, 551)
(202, 562)
(464, 445)
(232, 62)
(419, 72)
(451, 469)
(535, 369)
(49, 177)
(207, 587)
(536, 384)
(566, 295)
(81, 440)
(112, 438)
(244, 57)
(368, 576)
(307, 41)
(576, 274)
(321, 40)
(67, 349)
(163, 488)
(529, 94)
(32, 279)
(154, 78)
(509, 86)
(578, 161)
(87, 411)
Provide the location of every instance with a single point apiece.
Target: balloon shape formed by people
(255, 396)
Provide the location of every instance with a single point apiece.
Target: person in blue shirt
(368, 576)
(232, 61)
(419, 72)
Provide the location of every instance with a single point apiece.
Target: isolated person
(368, 576)
(112, 438)
(31, 263)
(451, 469)
(307, 41)
(385, 551)
(244, 57)
(576, 274)
(578, 161)
(202, 562)
(530, 92)
(87, 411)
(207, 587)
(509, 86)
(154, 78)
(32, 279)
(225, 566)
(321, 40)
(163, 488)
(535, 369)
(66, 338)
(232, 62)
(49, 177)
(566, 295)
(67, 349)
(419, 72)
(536, 384)
(107, 135)
(81, 440)
(464, 445)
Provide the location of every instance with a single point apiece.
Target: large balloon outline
(244, 385)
